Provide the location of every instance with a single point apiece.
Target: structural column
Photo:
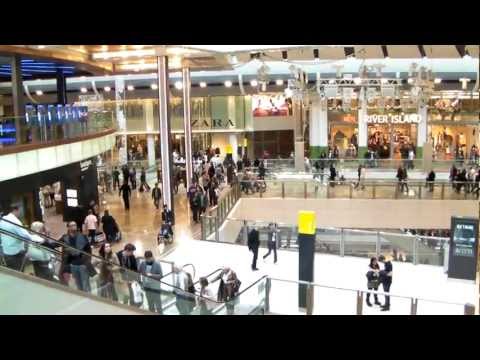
(165, 130)
(233, 141)
(421, 130)
(61, 88)
(121, 120)
(362, 128)
(17, 96)
(187, 124)
(318, 129)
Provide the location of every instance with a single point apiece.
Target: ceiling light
(107, 89)
(228, 83)
(104, 48)
(39, 92)
(279, 82)
(154, 86)
(130, 88)
(41, 46)
(254, 83)
(83, 90)
(178, 85)
(437, 80)
(123, 54)
(203, 84)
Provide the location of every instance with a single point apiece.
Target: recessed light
(83, 90)
(41, 46)
(254, 83)
(130, 88)
(39, 92)
(279, 82)
(203, 84)
(437, 80)
(107, 89)
(178, 85)
(228, 83)
(154, 86)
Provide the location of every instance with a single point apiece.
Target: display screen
(271, 105)
(464, 239)
(72, 202)
(71, 193)
(7, 131)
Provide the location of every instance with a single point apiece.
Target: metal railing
(323, 188)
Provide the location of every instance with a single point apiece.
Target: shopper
(228, 288)
(156, 195)
(166, 232)
(333, 175)
(152, 274)
(116, 178)
(461, 180)
(167, 214)
(77, 256)
(402, 178)
(453, 175)
(108, 278)
(476, 188)
(184, 290)
(110, 227)
(128, 262)
(273, 241)
(470, 179)
(205, 300)
(253, 245)
(373, 281)
(385, 276)
(91, 223)
(411, 158)
(39, 255)
(126, 192)
(143, 181)
(431, 180)
(133, 177)
(13, 248)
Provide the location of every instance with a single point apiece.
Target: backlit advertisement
(463, 248)
(271, 105)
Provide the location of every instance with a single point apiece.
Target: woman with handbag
(109, 272)
(373, 280)
(228, 288)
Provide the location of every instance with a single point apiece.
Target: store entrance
(52, 207)
(392, 140)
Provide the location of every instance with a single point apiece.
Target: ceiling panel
(403, 51)
(368, 51)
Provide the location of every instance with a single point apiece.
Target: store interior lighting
(203, 84)
(130, 87)
(83, 90)
(228, 84)
(154, 86)
(178, 85)
(437, 80)
(253, 83)
(39, 92)
(107, 89)
(279, 82)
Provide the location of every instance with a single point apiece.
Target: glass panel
(384, 190)
(328, 301)
(250, 301)
(400, 247)
(283, 298)
(294, 189)
(338, 190)
(360, 243)
(427, 307)
(328, 241)
(363, 190)
(431, 251)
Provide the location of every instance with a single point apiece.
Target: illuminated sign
(393, 119)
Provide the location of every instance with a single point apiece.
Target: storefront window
(343, 133)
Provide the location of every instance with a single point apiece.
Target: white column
(422, 126)
(121, 119)
(362, 125)
(318, 124)
(151, 149)
(233, 141)
(187, 124)
(165, 131)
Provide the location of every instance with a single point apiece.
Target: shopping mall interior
(239, 179)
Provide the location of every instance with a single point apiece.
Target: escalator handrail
(207, 276)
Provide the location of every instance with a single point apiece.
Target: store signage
(214, 124)
(462, 262)
(393, 119)
(84, 165)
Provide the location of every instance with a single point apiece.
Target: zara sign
(393, 119)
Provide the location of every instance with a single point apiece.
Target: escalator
(110, 285)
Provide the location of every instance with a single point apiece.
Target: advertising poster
(463, 248)
(271, 105)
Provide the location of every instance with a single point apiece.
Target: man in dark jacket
(125, 191)
(253, 245)
(430, 180)
(386, 280)
(110, 227)
(156, 195)
(127, 260)
(75, 256)
(116, 178)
